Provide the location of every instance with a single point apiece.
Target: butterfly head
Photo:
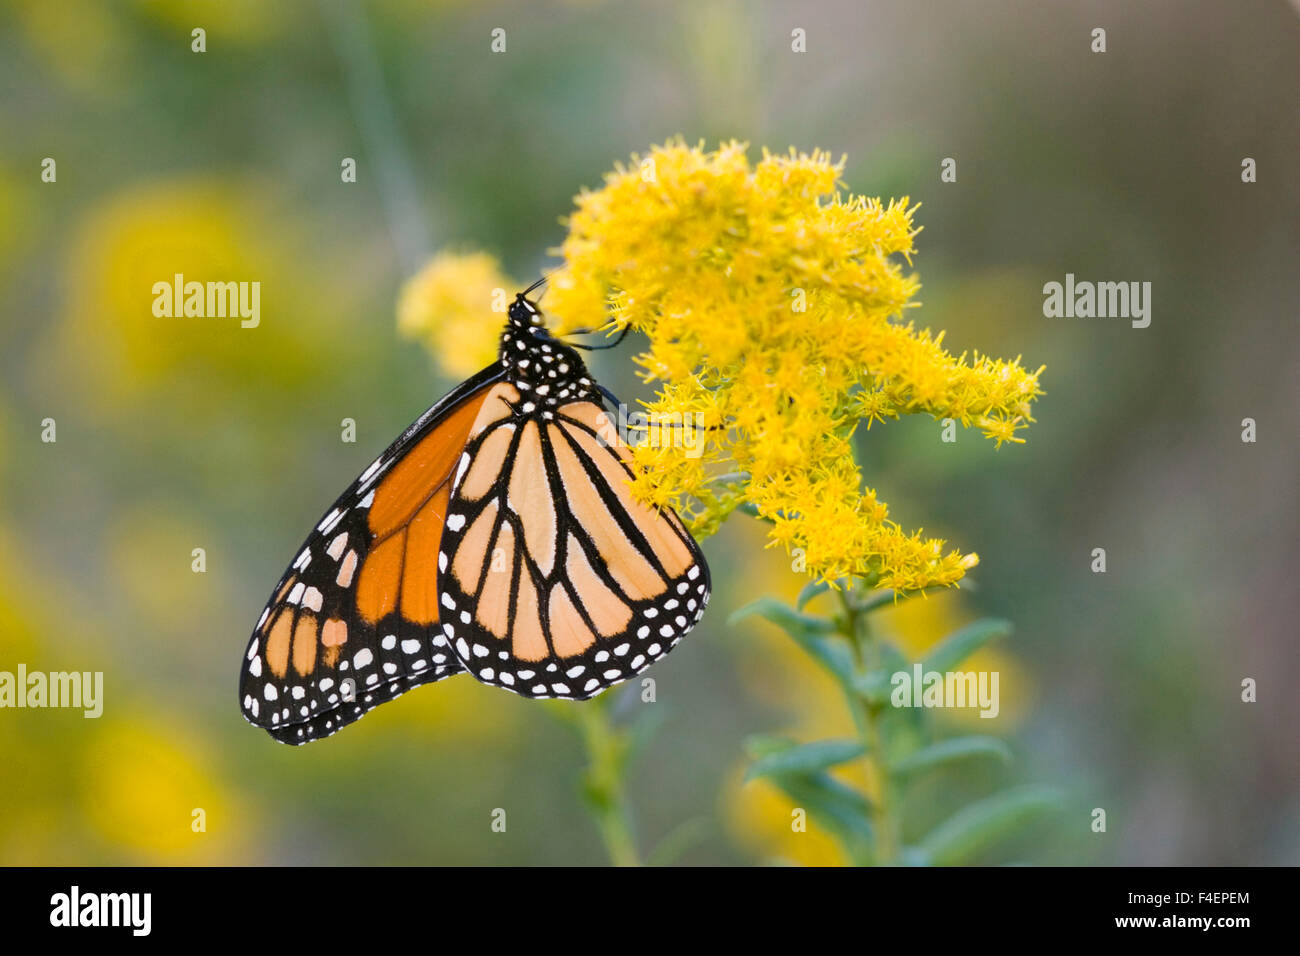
(523, 313)
(538, 362)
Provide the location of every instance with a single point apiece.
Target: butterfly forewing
(556, 581)
(354, 620)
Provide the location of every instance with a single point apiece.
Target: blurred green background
(1123, 688)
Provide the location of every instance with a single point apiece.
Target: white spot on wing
(335, 550)
(371, 473)
(331, 522)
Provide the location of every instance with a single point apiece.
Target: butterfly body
(498, 536)
(547, 371)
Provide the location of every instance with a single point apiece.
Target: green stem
(372, 109)
(603, 783)
(857, 628)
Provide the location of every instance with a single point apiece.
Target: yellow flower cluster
(448, 306)
(773, 306)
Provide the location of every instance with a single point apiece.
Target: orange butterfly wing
(354, 621)
(557, 582)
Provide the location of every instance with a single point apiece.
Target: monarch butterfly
(496, 536)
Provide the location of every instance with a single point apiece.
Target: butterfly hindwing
(353, 622)
(557, 582)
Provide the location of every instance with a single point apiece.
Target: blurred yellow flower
(242, 21)
(22, 636)
(121, 788)
(33, 815)
(148, 556)
(145, 784)
(111, 345)
(456, 306)
(15, 207)
(457, 713)
(762, 819)
(81, 41)
(773, 306)
(197, 228)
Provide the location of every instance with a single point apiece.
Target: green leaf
(810, 591)
(876, 599)
(805, 758)
(784, 616)
(956, 647)
(751, 509)
(873, 687)
(760, 745)
(808, 631)
(831, 654)
(978, 826)
(911, 856)
(891, 659)
(950, 751)
(832, 804)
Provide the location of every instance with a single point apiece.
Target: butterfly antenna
(601, 348)
(534, 285)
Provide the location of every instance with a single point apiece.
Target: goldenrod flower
(774, 308)
(456, 305)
